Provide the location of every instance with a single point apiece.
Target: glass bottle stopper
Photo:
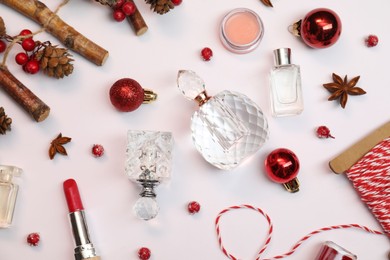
(149, 155)
(8, 172)
(192, 86)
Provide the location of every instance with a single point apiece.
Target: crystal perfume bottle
(149, 156)
(286, 90)
(8, 194)
(228, 127)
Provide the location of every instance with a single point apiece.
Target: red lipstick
(84, 248)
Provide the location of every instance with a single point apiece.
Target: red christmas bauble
(126, 95)
(321, 28)
(282, 165)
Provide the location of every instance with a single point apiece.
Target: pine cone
(54, 61)
(5, 122)
(160, 6)
(2, 28)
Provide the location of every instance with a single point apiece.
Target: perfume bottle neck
(202, 98)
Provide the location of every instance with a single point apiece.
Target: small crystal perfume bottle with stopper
(8, 194)
(228, 127)
(286, 91)
(149, 156)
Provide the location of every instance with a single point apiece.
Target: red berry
(21, 58)
(144, 253)
(372, 40)
(118, 4)
(25, 32)
(118, 15)
(323, 132)
(28, 44)
(207, 53)
(176, 2)
(33, 239)
(3, 46)
(97, 150)
(31, 66)
(193, 207)
(128, 8)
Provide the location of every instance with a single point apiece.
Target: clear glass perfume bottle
(286, 90)
(149, 156)
(228, 127)
(8, 194)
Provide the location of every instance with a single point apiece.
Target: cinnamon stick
(53, 24)
(23, 96)
(137, 21)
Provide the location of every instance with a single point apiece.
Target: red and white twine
(270, 230)
(370, 176)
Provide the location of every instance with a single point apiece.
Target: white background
(80, 109)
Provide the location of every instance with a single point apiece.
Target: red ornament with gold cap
(320, 28)
(127, 95)
(282, 166)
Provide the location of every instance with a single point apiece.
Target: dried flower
(342, 88)
(57, 146)
(267, 3)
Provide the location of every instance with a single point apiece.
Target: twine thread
(370, 177)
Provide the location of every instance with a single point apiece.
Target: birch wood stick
(53, 24)
(23, 96)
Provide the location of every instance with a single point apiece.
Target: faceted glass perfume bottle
(228, 127)
(8, 194)
(286, 90)
(149, 156)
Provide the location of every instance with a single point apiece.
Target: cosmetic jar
(241, 30)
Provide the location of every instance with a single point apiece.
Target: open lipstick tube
(84, 247)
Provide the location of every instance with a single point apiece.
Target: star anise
(342, 88)
(56, 146)
(267, 3)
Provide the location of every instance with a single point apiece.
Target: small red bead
(144, 253)
(372, 40)
(97, 150)
(118, 15)
(21, 58)
(31, 66)
(128, 8)
(193, 207)
(176, 2)
(28, 44)
(3, 46)
(25, 32)
(118, 4)
(206, 53)
(33, 239)
(323, 132)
